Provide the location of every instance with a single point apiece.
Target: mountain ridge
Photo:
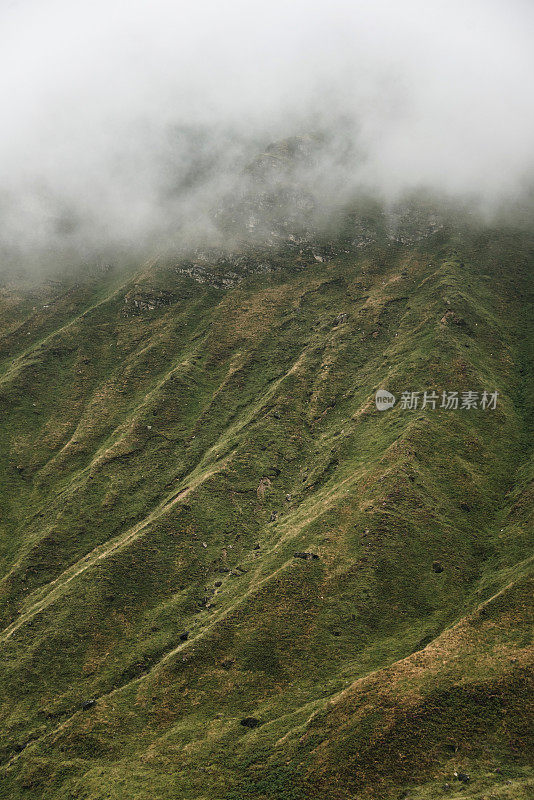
(163, 462)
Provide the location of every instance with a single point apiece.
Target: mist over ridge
(131, 125)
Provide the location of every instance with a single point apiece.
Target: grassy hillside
(170, 439)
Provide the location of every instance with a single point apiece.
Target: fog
(130, 124)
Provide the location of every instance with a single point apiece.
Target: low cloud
(130, 125)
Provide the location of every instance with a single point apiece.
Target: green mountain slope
(171, 439)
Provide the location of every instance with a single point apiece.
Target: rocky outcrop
(141, 300)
